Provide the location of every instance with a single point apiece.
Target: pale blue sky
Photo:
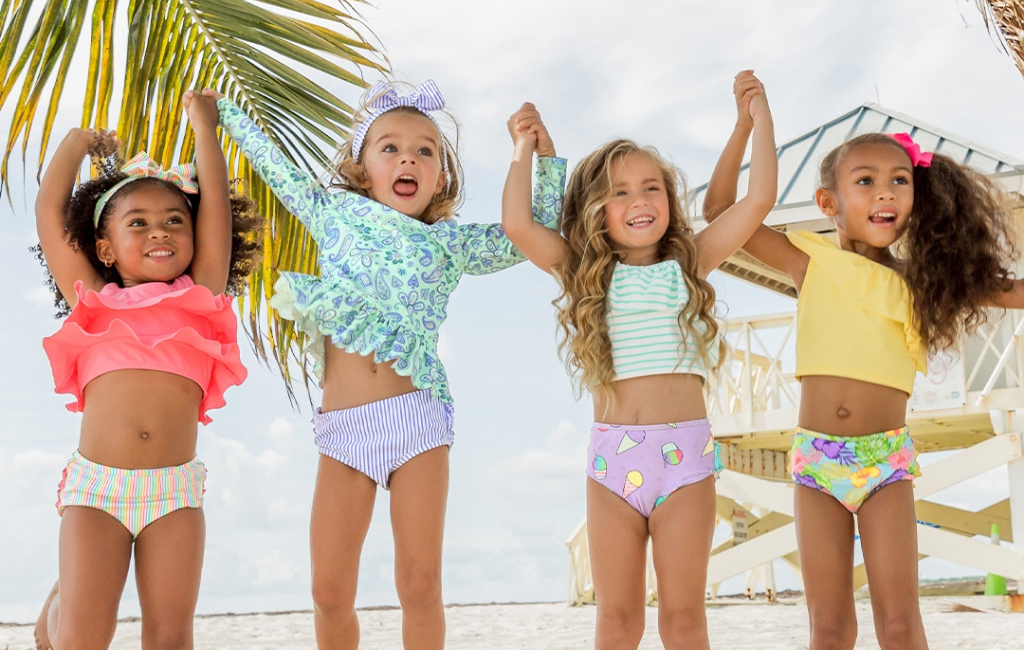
(659, 72)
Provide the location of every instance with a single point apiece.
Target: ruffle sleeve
(866, 284)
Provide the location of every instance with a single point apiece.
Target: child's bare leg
(888, 535)
(95, 551)
(681, 531)
(824, 534)
(419, 496)
(43, 629)
(168, 567)
(617, 535)
(342, 508)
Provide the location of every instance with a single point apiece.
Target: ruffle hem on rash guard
(180, 328)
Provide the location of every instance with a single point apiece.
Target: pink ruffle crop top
(179, 328)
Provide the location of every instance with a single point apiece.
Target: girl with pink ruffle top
(146, 271)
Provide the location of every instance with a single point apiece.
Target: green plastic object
(995, 585)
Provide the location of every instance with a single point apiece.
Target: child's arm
(1013, 298)
(300, 193)
(211, 260)
(734, 226)
(67, 263)
(540, 242)
(767, 245)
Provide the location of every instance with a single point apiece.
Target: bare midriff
(654, 399)
(840, 406)
(140, 419)
(352, 380)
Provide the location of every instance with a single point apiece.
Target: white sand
(556, 627)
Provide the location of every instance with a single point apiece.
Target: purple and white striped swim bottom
(135, 497)
(378, 438)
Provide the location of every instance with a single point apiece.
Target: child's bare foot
(42, 631)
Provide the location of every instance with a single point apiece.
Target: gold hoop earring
(108, 263)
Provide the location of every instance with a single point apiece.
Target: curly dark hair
(957, 248)
(246, 225)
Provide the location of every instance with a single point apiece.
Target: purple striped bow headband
(425, 98)
(142, 166)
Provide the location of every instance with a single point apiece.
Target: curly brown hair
(957, 248)
(585, 273)
(349, 174)
(246, 225)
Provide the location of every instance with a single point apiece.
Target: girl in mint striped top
(639, 334)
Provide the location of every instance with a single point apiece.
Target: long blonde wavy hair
(585, 273)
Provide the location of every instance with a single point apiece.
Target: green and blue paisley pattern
(385, 278)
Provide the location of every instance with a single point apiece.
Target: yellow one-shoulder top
(854, 318)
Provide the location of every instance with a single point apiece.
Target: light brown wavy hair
(349, 174)
(957, 248)
(585, 273)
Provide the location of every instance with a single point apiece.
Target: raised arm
(301, 194)
(766, 244)
(67, 263)
(734, 226)
(540, 242)
(212, 258)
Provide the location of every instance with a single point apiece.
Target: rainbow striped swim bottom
(135, 497)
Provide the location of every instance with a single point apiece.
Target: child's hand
(102, 143)
(527, 121)
(750, 98)
(201, 108)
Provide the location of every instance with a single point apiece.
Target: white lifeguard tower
(969, 403)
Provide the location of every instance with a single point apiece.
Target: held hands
(750, 99)
(201, 108)
(525, 126)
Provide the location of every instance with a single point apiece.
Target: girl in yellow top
(866, 318)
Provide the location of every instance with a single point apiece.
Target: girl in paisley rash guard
(390, 257)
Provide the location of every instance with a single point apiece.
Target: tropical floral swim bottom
(852, 468)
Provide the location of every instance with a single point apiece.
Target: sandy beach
(554, 626)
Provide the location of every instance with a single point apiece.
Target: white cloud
(551, 471)
(276, 567)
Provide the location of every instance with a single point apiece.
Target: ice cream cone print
(671, 453)
(710, 447)
(631, 439)
(634, 480)
(600, 468)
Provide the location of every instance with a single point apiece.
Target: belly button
(843, 413)
(373, 367)
(144, 435)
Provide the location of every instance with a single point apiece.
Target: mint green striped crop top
(642, 312)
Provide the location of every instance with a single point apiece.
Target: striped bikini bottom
(378, 438)
(135, 497)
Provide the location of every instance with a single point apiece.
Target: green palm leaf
(264, 56)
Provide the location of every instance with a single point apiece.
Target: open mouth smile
(406, 186)
(640, 221)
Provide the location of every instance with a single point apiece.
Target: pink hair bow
(917, 158)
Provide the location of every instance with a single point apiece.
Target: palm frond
(1006, 20)
(263, 55)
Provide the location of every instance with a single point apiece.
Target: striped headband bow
(142, 166)
(425, 98)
